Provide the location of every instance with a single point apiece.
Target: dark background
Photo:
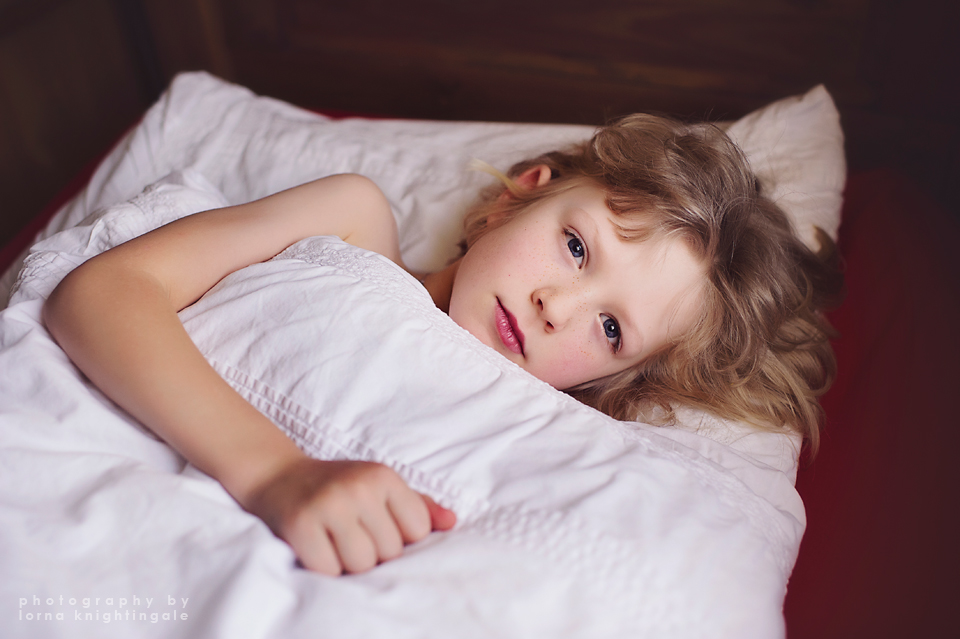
(74, 74)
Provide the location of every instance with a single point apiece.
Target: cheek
(568, 366)
(519, 247)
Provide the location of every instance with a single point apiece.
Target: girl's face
(557, 291)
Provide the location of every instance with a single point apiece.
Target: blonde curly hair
(759, 351)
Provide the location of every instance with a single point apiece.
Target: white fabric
(570, 523)
(795, 146)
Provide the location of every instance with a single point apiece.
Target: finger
(440, 518)
(410, 512)
(314, 548)
(384, 532)
(353, 544)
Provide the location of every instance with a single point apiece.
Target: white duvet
(570, 524)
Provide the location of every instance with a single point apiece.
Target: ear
(532, 178)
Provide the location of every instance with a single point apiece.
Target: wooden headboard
(75, 73)
(892, 66)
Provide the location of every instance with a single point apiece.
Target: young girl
(640, 270)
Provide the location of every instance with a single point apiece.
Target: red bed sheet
(880, 554)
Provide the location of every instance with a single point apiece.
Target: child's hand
(346, 516)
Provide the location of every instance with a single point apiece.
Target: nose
(556, 306)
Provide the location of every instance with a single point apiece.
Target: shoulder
(374, 226)
(349, 206)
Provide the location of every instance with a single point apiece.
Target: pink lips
(510, 335)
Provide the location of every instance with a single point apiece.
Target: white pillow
(250, 146)
(795, 147)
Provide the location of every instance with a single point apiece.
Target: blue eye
(577, 249)
(612, 330)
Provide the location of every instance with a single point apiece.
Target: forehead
(637, 224)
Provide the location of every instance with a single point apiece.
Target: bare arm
(116, 317)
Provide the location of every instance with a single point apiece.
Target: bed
(571, 524)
